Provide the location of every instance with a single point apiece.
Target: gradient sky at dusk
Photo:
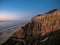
(25, 9)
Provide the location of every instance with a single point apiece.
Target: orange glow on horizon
(8, 16)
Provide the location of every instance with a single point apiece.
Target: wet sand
(5, 35)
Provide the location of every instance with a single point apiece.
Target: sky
(25, 9)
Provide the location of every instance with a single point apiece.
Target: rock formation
(43, 29)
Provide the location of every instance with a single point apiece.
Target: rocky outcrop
(43, 29)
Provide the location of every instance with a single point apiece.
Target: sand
(5, 34)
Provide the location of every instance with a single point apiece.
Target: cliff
(43, 29)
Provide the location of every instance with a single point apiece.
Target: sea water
(8, 24)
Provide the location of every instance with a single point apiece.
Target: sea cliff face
(43, 29)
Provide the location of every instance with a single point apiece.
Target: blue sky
(25, 9)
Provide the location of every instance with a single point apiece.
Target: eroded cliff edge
(43, 29)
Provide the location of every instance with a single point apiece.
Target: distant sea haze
(8, 24)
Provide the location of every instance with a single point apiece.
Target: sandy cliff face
(43, 29)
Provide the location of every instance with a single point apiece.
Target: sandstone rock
(43, 29)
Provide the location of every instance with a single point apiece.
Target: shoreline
(6, 34)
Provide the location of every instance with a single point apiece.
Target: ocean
(8, 24)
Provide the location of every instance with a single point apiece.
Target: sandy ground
(5, 35)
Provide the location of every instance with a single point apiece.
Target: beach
(6, 34)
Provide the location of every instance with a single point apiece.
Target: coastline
(7, 33)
